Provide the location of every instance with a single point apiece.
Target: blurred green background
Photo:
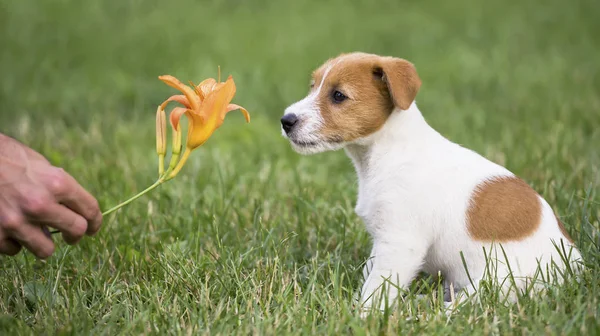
(251, 237)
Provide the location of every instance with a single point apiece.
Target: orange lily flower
(205, 106)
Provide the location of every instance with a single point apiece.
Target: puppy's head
(350, 98)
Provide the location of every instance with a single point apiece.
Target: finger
(34, 239)
(72, 225)
(68, 192)
(9, 220)
(9, 247)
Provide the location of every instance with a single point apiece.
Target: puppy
(429, 204)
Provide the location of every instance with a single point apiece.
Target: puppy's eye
(312, 84)
(338, 97)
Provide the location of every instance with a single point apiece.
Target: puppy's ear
(400, 78)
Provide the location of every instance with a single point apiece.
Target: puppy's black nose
(288, 121)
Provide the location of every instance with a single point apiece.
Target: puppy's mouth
(311, 143)
(301, 143)
(312, 146)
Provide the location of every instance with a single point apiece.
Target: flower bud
(161, 131)
(161, 138)
(177, 140)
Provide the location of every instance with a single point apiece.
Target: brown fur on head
(352, 96)
(373, 86)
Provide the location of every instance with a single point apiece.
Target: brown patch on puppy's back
(503, 209)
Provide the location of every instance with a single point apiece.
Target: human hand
(34, 195)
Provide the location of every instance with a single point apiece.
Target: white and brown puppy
(427, 202)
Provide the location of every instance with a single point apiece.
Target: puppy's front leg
(395, 263)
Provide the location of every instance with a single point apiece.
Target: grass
(252, 238)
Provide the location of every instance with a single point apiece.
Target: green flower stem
(180, 164)
(158, 182)
(116, 207)
(164, 177)
(172, 164)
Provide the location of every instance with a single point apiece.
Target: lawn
(252, 238)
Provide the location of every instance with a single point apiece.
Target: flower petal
(215, 104)
(233, 88)
(233, 107)
(198, 92)
(175, 116)
(198, 133)
(206, 86)
(192, 97)
(218, 86)
(181, 99)
(227, 89)
(211, 114)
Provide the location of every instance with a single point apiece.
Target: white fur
(413, 193)
(310, 121)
